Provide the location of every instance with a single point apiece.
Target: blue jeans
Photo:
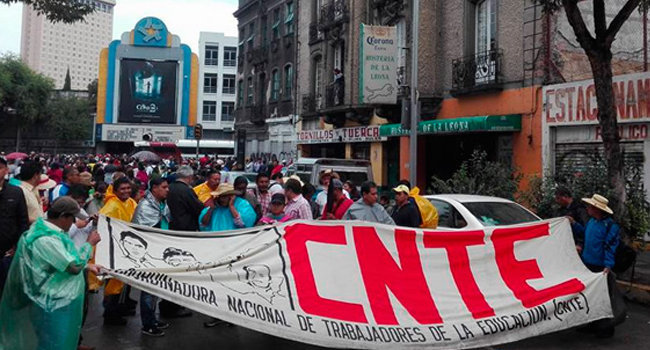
(148, 309)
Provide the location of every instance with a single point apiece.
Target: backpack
(624, 257)
(428, 212)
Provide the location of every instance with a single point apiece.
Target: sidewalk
(640, 290)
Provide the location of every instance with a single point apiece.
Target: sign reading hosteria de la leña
(378, 65)
(352, 284)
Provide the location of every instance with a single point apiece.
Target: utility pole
(415, 111)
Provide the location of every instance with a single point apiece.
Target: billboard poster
(378, 65)
(148, 91)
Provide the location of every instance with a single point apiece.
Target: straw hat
(45, 183)
(224, 189)
(599, 202)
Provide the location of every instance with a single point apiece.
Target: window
(318, 81)
(497, 213)
(228, 84)
(448, 216)
(288, 81)
(227, 111)
(275, 85)
(276, 23)
(251, 37)
(240, 94)
(250, 97)
(229, 56)
(212, 55)
(242, 39)
(210, 83)
(264, 31)
(288, 21)
(338, 56)
(486, 26)
(209, 111)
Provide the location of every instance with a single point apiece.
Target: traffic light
(198, 131)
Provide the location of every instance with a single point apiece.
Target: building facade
(147, 89)
(217, 85)
(265, 111)
(54, 48)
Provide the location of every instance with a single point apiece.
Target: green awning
(250, 38)
(488, 123)
(276, 24)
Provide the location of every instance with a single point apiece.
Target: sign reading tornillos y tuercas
(352, 284)
(378, 65)
(342, 135)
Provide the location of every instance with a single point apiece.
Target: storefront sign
(489, 123)
(575, 103)
(592, 133)
(360, 285)
(133, 133)
(343, 135)
(378, 65)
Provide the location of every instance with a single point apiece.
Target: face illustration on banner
(134, 249)
(178, 257)
(257, 279)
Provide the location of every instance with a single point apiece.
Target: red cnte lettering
(407, 283)
(456, 243)
(310, 301)
(515, 273)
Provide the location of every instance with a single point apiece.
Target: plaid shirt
(263, 198)
(298, 208)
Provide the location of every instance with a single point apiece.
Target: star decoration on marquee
(151, 31)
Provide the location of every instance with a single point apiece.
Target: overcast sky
(184, 18)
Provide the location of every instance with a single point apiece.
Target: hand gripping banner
(360, 285)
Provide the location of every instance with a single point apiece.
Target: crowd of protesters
(60, 197)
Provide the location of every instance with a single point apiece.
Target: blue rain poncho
(42, 303)
(222, 219)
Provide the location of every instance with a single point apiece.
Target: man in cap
(47, 278)
(324, 179)
(14, 220)
(405, 213)
(573, 208)
(367, 208)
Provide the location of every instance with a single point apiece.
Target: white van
(308, 169)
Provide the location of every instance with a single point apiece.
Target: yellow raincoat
(116, 209)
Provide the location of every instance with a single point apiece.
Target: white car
(463, 211)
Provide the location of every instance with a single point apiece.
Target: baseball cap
(402, 188)
(66, 205)
(278, 198)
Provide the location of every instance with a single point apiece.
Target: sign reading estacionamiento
(378, 65)
(361, 285)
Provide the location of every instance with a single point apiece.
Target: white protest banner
(361, 285)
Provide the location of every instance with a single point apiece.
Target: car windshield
(499, 213)
(356, 178)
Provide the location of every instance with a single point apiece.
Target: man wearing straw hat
(600, 235)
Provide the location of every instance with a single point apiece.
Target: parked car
(230, 176)
(462, 211)
(309, 169)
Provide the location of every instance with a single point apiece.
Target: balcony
(230, 63)
(333, 14)
(210, 89)
(315, 34)
(477, 73)
(228, 90)
(257, 113)
(334, 96)
(211, 62)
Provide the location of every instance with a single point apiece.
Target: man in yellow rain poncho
(42, 303)
(119, 205)
(212, 181)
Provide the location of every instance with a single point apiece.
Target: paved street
(189, 333)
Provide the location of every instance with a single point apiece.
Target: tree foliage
(23, 92)
(66, 11)
(478, 175)
(69, 118)
(67, 85)
(92, 96)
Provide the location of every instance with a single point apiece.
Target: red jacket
(339, 208)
